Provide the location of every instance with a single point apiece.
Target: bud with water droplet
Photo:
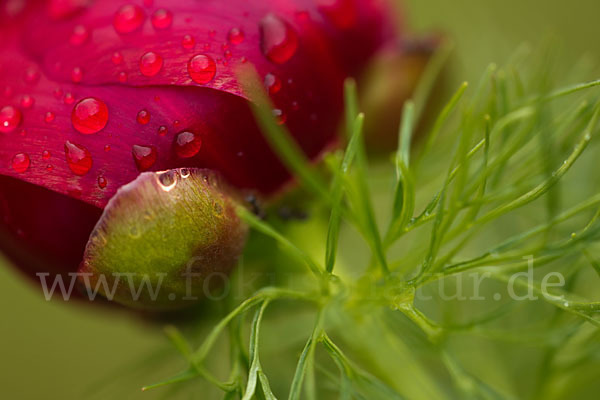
(164, 240)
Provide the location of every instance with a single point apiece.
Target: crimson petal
(177, 64)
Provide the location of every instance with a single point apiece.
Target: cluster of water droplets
(278, 43)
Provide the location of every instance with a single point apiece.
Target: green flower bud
(164, 240)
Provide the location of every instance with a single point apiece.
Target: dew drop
(162, 130)
(78, 158)
(280, 116)
(144, 157)
(162, 19)
(10, 118)
(32, 75)
(278, 40)
(187, 144)
(272, 83)
(27, 101)
(128, 18)
(69, 99)
(102, 182)
(7, 91)
(143, 117)
(49, 167)
(89, 116)
(49, 117)
(122, 76)
(227, 54)
(188, 42)
(167, 180)
(107, 148)
(79, 35)
(235, 36)
(58, 93)
(20, 162)
(150, 64)
(185, 173)
(116, 58)
(76, 75)
(46, 155)
(202, 68)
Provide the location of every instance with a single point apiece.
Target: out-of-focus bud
(390, 80)
(164, 240)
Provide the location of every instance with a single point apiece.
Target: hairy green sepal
(165, 240)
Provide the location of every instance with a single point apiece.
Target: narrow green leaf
(337, 190)
(543, 187)
(266, 229)
(279, 137)
(181, 377)
(178, 340)
(254, 358)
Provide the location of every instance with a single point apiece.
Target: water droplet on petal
(7, 91)
(144, 157)
(279, 41)
(77, 75)
(89, 116)
(227, 54)
(20, 163)
(280, 116)
(187, 144)
(102, 182)
(272, 83)
(69, 99)
(202, 68)
(188, 42)
(79, 158)
(122, 76)
(162, 130)
(79, 35)
(27, 101)
(128, 18)
(46, 155)
(10, 118)
(49, 117)
(235, 36)
(185, 173)
(162, 19)
(116, 58)
(150, 64)
(58, 93)
(143, 117)
(49, 167)
(32, 75)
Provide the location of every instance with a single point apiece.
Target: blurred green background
(49, 350)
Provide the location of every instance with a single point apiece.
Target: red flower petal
(177, 65)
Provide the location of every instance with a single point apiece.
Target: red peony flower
(92, 93)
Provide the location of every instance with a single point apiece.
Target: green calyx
(164, 241)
